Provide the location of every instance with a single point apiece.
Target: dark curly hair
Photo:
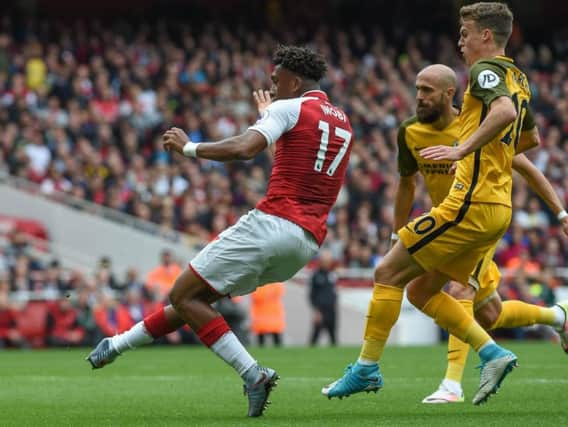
(302, 61)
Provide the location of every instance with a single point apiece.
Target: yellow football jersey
(486, 175)
(413, 136)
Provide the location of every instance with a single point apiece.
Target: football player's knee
(458, 291)
(379, 274)
(177, 296)
(486, 317)
(416, 296)
(385, 274)
(412, 294)
(174, 297)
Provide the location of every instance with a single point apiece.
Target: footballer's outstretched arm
(528, 140)
(240, 147)
(538, 183)
(278, 118)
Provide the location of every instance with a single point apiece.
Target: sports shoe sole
(441, 401)
(88, 359)
(367, 390)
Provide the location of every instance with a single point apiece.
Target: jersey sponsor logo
(459, 186)
(487, 79)
(437, 167)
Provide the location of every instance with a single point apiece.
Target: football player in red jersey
(312, 140)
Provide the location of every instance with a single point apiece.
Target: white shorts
(258, 249)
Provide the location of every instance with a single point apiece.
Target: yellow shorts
(454, 236)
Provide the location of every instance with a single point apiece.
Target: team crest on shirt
(488, 79)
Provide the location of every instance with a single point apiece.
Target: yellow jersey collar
(505, 58)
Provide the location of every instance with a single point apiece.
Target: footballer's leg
(514, 314)
(464, 243)
(154, 326)
(450, 389)
(496, 362)
(191, 297)
(396, 269)
(492, 313)
(483, 282)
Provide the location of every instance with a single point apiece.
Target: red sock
(212, 331)
(157, 324)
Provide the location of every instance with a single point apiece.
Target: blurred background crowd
(83, 104)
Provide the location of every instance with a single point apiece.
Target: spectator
(54, 281)
(86, 318)
(522, 264)
(323, 298)
(268, 317)
(133, 282)
(19, 245)
(38, 154)
(63, 328)
(134, 309)
(106, 316)
(21, 277)
(160, 280)
(105, 275)
(9, 334)
(533, 217)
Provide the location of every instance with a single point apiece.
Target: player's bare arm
(540, 185)
(240, 147)
(403, 200)
(528, 140)
(501, 114)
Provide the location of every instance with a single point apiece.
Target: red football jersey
(313, 143)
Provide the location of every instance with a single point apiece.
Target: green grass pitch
(189, 386)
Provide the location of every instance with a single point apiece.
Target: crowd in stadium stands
(83, 106)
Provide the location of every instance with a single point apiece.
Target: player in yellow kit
(436, 123)
(449, 241)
